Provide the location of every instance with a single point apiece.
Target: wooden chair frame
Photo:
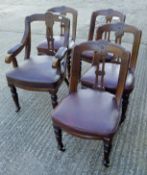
(101, 48)
(49, 19)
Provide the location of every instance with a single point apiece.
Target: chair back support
(120, 29)
(50, 19)
(101, 49)
(64, 10)
(109, 15)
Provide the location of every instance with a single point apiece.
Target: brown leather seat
(39, 73)
(89, 112)
(92, 113)
(36, 71)
(110, 78)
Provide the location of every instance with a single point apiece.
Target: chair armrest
(59, 56)
(13, 52)
(61, 53)
(16, 49)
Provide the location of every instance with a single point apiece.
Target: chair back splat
(108, 16)
(117, 32)
(99, 18)
(57, 39)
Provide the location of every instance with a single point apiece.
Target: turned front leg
(107, 150)
(58, 135)
(15, 97)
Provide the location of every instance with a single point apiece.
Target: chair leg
(80, 69)
(107, 150)
(68, 63)
(66, 81)
(58, 135)
(15, 97)
(125, 103)
(54, 99)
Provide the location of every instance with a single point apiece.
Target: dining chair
(115, 33)
(59, 38)
(92, 113)
(38, 73)
(98, 18)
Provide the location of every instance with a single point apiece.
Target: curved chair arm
(11, 57)
(59, 56)
(13, 52)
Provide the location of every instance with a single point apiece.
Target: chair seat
(35, 72)
(58, 42)
(88, 56)
(110, 78)
(89, 112)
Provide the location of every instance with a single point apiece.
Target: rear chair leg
(125, 103)
(68, 63)
(15, 97)
(58, 135)
(107, 150)
(54, 99)
(66, 81)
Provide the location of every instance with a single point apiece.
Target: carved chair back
(101, 17)
(64, 10)
(101, 49)
(50, 19)
(116, 32)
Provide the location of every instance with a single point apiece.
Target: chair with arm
(98, 18)
(90, 113)
(38, 73)
(117, 32)
(58, 39)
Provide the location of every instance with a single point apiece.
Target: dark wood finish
(58, 135)
(38, 73)
(108, 15)
(118, 31)
(88, 113)
(58, 40)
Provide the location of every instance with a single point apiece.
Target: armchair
(38, 73)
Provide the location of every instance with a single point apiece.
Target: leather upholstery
(35, 71)
(90, 112)
(110, 78)
(58, 42)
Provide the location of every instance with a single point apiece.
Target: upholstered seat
(110, 78)
(90, 112)
(35, 71)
